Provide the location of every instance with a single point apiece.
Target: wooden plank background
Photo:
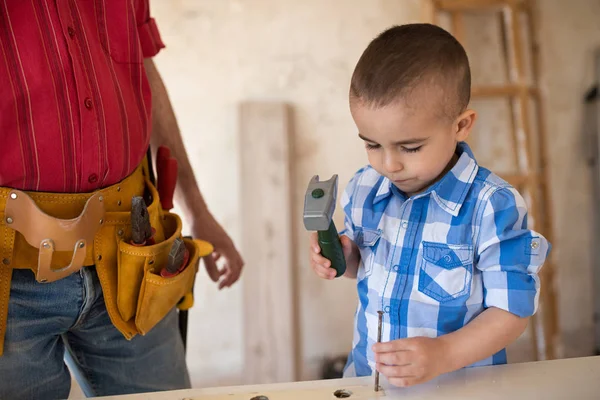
(270, 343)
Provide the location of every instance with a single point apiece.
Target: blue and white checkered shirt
(435, 261)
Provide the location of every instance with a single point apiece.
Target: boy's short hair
(405, 57)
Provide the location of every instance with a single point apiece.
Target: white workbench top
(576, 378)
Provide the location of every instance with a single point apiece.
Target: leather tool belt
(56, 234)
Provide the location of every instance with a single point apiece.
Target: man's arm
(165, 131)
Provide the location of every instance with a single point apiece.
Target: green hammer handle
(331, 249)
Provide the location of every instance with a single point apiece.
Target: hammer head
(319, 203)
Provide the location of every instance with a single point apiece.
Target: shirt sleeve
(509, 255)
(348, 205)
(150, 39)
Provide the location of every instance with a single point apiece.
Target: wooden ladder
(532, 177)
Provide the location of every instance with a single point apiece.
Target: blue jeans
(45, 320)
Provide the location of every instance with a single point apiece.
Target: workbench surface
(576, 378)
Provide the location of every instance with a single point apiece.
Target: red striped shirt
(75, 102)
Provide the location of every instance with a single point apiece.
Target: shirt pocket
(446, 271)
(118, 31)
(367, 241)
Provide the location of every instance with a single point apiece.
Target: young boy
(437, 243)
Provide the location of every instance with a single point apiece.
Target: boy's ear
(463, 125)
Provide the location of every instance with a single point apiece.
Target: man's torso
(74, 99)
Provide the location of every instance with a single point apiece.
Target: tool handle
(331, 249)
(167, 176)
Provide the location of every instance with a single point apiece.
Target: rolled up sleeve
(149, 35)
(509, 255)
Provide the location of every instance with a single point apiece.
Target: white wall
(221, 52)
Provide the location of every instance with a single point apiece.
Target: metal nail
(120, 232)
(119, 202)
(46, 245)
(9, 220)
(101, 221)
(81, 245)
(13, 196)
(101, 198)
(6, 261)
(379, 323)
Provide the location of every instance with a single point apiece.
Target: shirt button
(405, 224)
(71, 31)
(387, 309)
(88, 103)
(535, 245)
(447, 258)
(396, 268)
(93, 178)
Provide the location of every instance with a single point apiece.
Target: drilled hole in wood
(342, 393)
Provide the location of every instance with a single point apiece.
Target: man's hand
(165, 132)
(208, 229)
(407, 362)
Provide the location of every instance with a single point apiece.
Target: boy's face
(411, 146)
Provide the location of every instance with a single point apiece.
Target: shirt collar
(385, 189)
(450, 191)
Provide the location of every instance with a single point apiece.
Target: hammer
(319, 205)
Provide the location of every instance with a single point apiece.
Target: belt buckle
(50, 234)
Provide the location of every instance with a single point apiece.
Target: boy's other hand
(407, 362)
(320, 264)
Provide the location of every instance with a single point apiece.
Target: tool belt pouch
(55, 235)
(144, 297)
(158, 295)
(142, 292)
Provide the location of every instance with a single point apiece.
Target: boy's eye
(411, 150)
(370, 146)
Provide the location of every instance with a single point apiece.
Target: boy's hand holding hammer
(322, 266)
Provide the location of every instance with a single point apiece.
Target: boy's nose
(392, 164)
